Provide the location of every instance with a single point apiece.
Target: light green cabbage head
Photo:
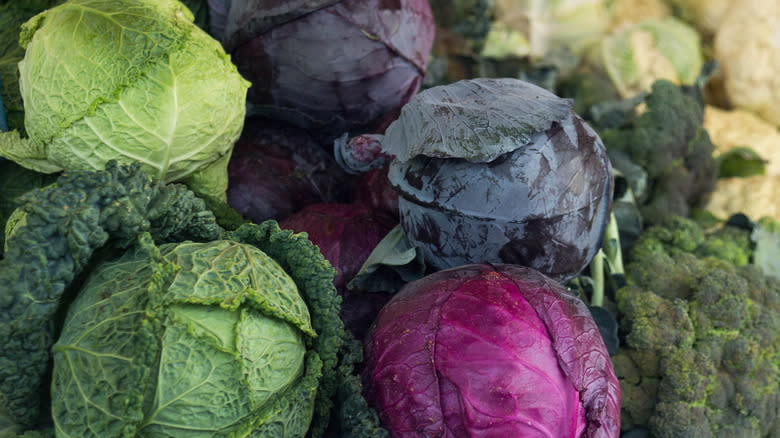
(535, 27)
(131, 80)
(656, 48)
(188, 340)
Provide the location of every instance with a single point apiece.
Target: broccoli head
(669, 142)
(700, 325)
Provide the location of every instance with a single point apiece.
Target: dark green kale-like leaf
(353, 417)
(15, 181)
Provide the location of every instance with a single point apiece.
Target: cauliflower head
(747, 44)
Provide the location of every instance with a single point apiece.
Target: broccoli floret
(669, 142)
(700, 327)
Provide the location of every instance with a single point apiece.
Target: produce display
(406, 218)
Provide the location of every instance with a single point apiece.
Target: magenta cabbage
(335, 65)
(278, 169)
(500, 170)
(490, 350)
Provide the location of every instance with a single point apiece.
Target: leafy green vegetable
(128, 301)
(740, 162)
(15, 181)
(132, 81)
(653, 49)
(66, 223)
(352, 416)
(12, 15)
(766, 238)
(187, 339)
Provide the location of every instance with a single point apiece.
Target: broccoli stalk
(608, 260)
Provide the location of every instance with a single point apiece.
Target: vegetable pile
(348, 218)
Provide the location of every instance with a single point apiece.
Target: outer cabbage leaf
(349, 66)
(278, 169)
(12, 15)
(313, 275)
(15, 181)
(477, 120)
(245, 19)
(90, 211)
(637, 56)
(112, 42)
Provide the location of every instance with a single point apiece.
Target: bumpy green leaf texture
(15, 181)
(130, 81)
(66, 223)
(510, 174)
(195, 339)
(313, 276)
(12, 15)
(483, 349)
(84, 211)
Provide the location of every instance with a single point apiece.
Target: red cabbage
(373, 189)
(500, 170)
(346, 234)
(277, 169)
(335, 65)
(490, 350)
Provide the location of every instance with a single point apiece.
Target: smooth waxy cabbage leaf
(325, 65)
(490, 350)
(135, 80)
(193, 339)
(474, 119)
(500, 170)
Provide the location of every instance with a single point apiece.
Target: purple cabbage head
(278, 169)
(373, 188)
(329, 64)
(500, 170)
(346, 234)
(490, 350)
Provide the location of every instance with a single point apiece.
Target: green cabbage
(533, 28)
(134, 80)
(193, 339)
(652, 49)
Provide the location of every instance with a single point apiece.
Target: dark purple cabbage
(331, 65)
(490, 350)
(373, 189)
(346, 234)
(277, 169)
(500, 170)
